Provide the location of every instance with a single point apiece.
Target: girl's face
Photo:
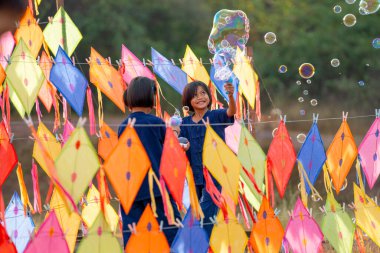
(201, 100)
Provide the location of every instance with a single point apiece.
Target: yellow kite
(50, 144)
(77, 163)
(91, 210)
(47, 90)
(194, 68)
(30, 32)
(69, 221)
(100, 238)
(24, 77)
(247, 77)
(221, 162)
(104, 76)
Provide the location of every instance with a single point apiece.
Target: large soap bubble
(230, 31)
(369, 6)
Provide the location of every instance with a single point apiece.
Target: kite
(133, 67)
(49, 238)
(69, 221)
(148, 237)
(24, 77)
(107, 141)
(106, 78)
(267, 233)
(228, 235)
(221, 162)
(194, 68)
(7, 43)
(69, 81)
(312, 155)
(68, 128)
(369, 153)
(62, 32)
(191, 237)
(127, 166)
(302, 232)
(91, 210)
(248, 78)
(19, 224)
(340, 155)
(233, 136)
(29, 30)
(6, 245)
(281, 158)
(47, 91)
(2, 78)
(50, 145)
(7, 153)
(253, 159)
(100, 238)
(169, 72)
(77, 163)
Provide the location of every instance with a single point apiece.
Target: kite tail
(100, 107)
(269, 182)
(24, 193)
(168, 209)
(50, 192)
(359, 240)
(252, 178)
(245, 201)
(244, 213)
(194, 201)
(238, 107)
(102, 191)
(215, 195)
(38, 111)
(91, 114)
(57, 122)
(36, 189)
(158, 102)
(258, 101)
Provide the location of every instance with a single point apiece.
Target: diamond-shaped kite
(369, 153)
(7, 153)
(24, 76)
(107, 141)
(127, 166)
(19, 226)
(104, 76)
(340, 155)
(6, 245)
(47, 91)
(77, 164)
(69, 81)
(62, 32)
(30, 32)
(7, 43)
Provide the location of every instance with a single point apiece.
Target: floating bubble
(270, 38)
(361, 83)
(337, 9)
(306, 92)
(306, 70)
(314, 102)
(349, 20)
(298, 82)
(302, 112)
(308, 81)
(350, 1)
(230, 29)
(376, 43)
(301, 138)
(274, 132)
(300, 99)
(282, 69)
(335, 62)
(369, 6)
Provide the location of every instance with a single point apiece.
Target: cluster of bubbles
(367, 7)
(270, 38)
(335, 62)
(306, 70)
(230, 31)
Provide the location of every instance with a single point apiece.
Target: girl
(139, 98)
(196, 96)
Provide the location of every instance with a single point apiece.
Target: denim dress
(195, 132)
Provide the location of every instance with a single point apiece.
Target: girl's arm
(231, 110)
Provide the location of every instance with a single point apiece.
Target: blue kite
(69, 81)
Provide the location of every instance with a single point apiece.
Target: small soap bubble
(270, 38)
(314, 102)
(361, 83)
(301, 138)
(308, 81)
(298, 83)
(282, 69)
(302, 112)
(300, 99)
(306, 70)
(274, 132)
(376, 43)
(335, 62)
(337, 9)
(305, 92)
(349, 20)
(350, 1)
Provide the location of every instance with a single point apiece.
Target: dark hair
(190, 91)
(140, 92)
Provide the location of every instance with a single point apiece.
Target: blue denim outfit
(152, 138)
(196, 136)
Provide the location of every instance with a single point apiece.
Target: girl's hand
(229, 88)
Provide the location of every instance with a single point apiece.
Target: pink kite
(369, 152)
(303, 233)
(233, 136)
(7, 43)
